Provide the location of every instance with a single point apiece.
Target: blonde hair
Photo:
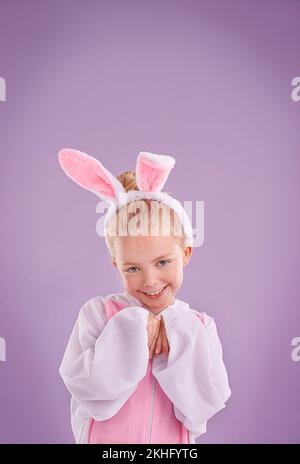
(140, 209)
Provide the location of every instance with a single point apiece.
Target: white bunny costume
(118, 394)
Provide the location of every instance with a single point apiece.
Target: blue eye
(161, 263)
(166, 261)
(130, 269)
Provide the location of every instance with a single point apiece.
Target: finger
(152, 346)
(151, 337)
(157, 334)
(165, 343)
(158, 343)
(151, 329)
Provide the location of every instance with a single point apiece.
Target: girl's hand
(162, 343)
(153, 331)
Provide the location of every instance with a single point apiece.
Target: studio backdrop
(214, 84)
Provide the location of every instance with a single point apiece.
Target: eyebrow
(156, 259)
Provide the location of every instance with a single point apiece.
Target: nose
(150, 279)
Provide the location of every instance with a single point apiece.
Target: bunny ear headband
(151, 171)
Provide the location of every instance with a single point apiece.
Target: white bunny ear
(152, 171)
(90, 174)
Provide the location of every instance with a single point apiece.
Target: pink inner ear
(86, 170)
(151, 175)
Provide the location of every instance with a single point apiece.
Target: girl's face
(150, 264)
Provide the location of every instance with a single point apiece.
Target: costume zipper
(152, 406)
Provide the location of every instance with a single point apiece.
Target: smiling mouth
(155, 294)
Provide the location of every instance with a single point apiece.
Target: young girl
(141, 365)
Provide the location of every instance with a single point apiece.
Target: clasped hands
(157, 336)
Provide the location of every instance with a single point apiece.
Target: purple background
(207, 82)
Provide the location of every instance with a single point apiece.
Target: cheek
(126, 281)
(130, 282)
(175, 275)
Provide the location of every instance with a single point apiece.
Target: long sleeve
(193, 375)
(105, 360)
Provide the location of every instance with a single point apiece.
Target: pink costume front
(119, 395)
